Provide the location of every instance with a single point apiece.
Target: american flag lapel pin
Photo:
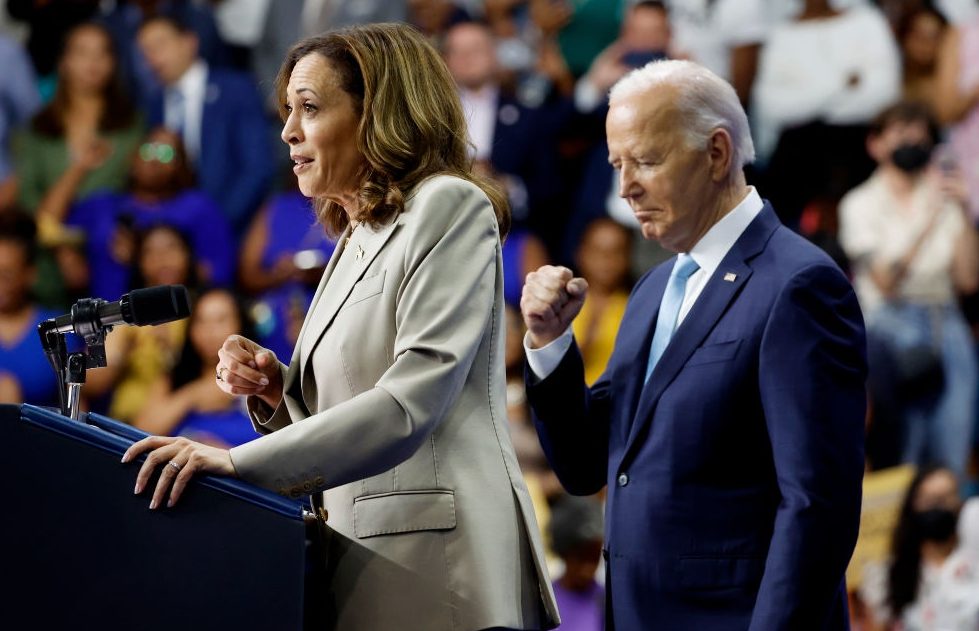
(730, 276)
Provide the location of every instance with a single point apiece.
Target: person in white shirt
(931, 580)
(839, 66)
(724, 35)
(913, 251)
(821, 80)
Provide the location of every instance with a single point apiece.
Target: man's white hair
(705, 103)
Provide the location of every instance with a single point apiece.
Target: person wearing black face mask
(913, 251)
(936, 524)
(911, 157)
(910, 591)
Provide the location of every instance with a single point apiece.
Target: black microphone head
(156, 305)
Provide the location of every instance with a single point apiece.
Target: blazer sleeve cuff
(266, 419)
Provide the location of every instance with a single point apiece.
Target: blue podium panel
(80, 551)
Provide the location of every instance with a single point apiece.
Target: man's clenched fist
(551, 299)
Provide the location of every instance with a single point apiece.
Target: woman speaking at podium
(393, 404)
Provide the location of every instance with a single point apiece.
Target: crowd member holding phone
(645, 37)
(913, 251)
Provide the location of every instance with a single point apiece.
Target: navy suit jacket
(591, 199)
(524, 144)
(734, 474)
(235, 166)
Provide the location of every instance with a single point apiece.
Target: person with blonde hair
(391, 412)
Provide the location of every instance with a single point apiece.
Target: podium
(80, 551)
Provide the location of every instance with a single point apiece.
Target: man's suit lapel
(721, 289)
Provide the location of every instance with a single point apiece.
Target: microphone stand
(71, 367)
(57, 354)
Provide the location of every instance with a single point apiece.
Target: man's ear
(720, 153)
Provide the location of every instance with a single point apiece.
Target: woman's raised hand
(245, 368)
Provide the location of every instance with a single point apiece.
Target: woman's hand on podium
(180, 459)
(245, 368)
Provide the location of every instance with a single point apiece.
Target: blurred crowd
(139, 146)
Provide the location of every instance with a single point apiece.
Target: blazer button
(623, 479)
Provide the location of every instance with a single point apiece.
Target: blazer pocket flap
(707, 573)
(404, 511)
(720, 352)
(365, 288)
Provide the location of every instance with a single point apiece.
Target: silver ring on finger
(218, 376)
(175, 465)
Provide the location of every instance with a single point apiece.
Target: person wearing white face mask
(912, 251)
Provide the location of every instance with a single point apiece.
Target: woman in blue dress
(25, 374)
(161, 191)
(282, 261)
(188, 402)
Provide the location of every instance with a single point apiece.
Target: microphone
(140, 307)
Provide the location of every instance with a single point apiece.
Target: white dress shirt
(708, 253)
(805, 70)
(479, 107)
(706, 31)
(192, 87)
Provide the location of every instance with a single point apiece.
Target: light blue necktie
(175, 111)
(669, 308)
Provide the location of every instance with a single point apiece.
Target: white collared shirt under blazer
(394, 406)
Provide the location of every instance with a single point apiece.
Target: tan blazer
(394, 406)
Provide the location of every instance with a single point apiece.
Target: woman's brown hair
(411, 120)
(118, 112)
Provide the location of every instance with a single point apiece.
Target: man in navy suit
(217, 112)
(729, 422)
(513, 140)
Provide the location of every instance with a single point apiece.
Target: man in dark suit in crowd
(514, 141)
(217, 112)
(729, 422)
